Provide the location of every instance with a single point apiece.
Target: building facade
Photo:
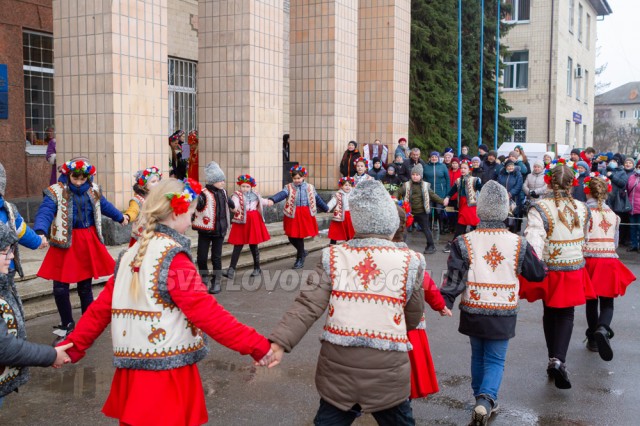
(549, 72)
(617, 112)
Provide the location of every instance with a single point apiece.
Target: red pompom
(79, 164)
(547, 179)
(587, 190)
(195, 186)
(141, 182)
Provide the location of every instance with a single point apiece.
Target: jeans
(634, 219)
(328, 415)
(487, 365)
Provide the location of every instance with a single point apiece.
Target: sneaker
(430, 250)
(482, 411)
(447, 248)
(592, 345)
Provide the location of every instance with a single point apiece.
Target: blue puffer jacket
(513, 183)
(27, 236)
(82, 209)
(438, 176)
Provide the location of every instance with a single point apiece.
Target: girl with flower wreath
(362, 171)
(71, 213)
(145, 180)
(557, 227)
(609, 276)
(159, 311)
(300, 209)
(247, 224)
(466, 187)
(341, 228)
(192, 141)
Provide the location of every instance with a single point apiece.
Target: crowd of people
(375, 354)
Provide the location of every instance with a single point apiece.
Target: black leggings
(606, 312)
(461, 230)
(235, 255)
(63, 301)
(558, 326)
(422, 219)
(298, 243)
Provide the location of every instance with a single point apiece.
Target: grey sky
(618, 36)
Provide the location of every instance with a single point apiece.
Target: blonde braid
(598, 189)
(561, 181)
(144, 241)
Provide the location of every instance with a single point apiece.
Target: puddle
(456, 381)
(449, 402)
(84, 382)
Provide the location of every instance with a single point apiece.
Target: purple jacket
(51, 150)
(633, 189)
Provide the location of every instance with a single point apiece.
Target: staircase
(36, 293)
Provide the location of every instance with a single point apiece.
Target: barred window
(38, 83)
(182, 95)
(519, 126)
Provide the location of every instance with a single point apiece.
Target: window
(623, 114)
(575, 136)
(586, 86)
(38, 83)
(516, 71)
(578, 86)
(584, 135)
(520, 10)
(182, 95)
(571, 10)
(636, 114)
(519, 126)
(567, 132)
(580, 22)
(569, 77)
(588, 32)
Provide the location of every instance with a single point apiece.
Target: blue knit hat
(583, 164)
(447, 150)
(436, 153)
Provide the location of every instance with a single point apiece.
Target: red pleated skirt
(467, 215)
(560, 289)
(254, 231)
(342, 231)
(303, 225)
(167, 397)
(86, 258)
(609, 276)
(423, 372)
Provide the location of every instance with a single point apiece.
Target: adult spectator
(629, 165)
(403, 170)
(587, 156)
(575, 155)
(548, 157)
(483, 150)
(437, 175)
(522, 158)
(464, 153)
(447, 157)
(490, 167)
(511, 178)
(617, 199)
(414, 158)
(476, 168)
(347, 165)
(534, 185)
(402, 149)
(520, 166)
(633, 191)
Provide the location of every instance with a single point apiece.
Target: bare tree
(600, 86)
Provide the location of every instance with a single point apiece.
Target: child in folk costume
(341, 228)
(145, 180)
(557, 227)
(362, 171)
(361, 371)
(192, 142)
(71, 212)
(211, 220)
(609, 276)
(159, 311)
(484, 266)
(247, 224)
(466, 187)
(300, 210)
(177, 163)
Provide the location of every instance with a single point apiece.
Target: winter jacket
(525, 169)
(534, 182)
(404, 153)
(347, 168)
(403, 170)
(513, 183)
(478, 172)
(577, 192)
(438, 176)
(633, 191)
(378, 174)
(27, 236)
(490, 171)
(619, 186)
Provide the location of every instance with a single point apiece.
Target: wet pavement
(604, 393)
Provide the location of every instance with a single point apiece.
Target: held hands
(270, 203)
(273, 357)
(446, 312)
(61, 355)
(125, 221)
(43, 242)
(445, 202)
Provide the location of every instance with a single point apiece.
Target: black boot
(229, 273)
(299, 263)
(591, 341)
(214, 286)
(235, 256)
(602, 335)
(557, 370)
(255, 252)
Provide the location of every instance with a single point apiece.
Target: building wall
(182, 18)
(27, 174)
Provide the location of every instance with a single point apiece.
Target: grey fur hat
(7, 236)
(213, 173)
(493, 202)
(417, 169)
(372, 209)
(3, 179)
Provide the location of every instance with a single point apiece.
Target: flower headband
(143, 178)
(176, 135)
(347, 179)
(361, 160)
(78, 167)
(298, 169)
(561, 161)
(180, 201)
(193, 137)
(246, 179)
(465, 161)
(595, 175)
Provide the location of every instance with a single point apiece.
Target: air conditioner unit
(578, 72)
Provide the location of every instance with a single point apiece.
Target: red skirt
(467, 215)
(167, 397)
(560, 289)
(609, 276)
(303, 225)
(86, 258)
(252, 232)
(342, 231)
(423, 373)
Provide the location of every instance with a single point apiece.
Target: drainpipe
(553, 11)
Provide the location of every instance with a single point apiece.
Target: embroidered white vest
(205, 220)
(361, 178)
(240, 216)
(563, 251)
(602, 230)
(290, 203)
(371, 280)
(138, 226)
(62, 225)
(338, 212)
(495, 259)
(425, 194)
(470, 189)
(151, 332)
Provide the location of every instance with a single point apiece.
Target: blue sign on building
(577, 117)
(4, 92)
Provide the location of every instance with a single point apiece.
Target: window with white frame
(588, 32)
(520, 10)
(182, 95)
(623, 114)
(636, 114)
(37, 51)
(567, 132)
(571, 11)
(516, 70)
(586, 86)
(580, 9)
(578, 85)
(569, 77)
(519, 126)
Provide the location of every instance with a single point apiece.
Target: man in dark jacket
(483, 151)
(403, 170)
(490, 167)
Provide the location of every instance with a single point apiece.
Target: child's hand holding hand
(446, 202)
(61, 355)
(44, 243)
(125, 221)
(270, 203)
(446, 312)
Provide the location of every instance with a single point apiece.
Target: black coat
(490, 171)
(347, 168)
